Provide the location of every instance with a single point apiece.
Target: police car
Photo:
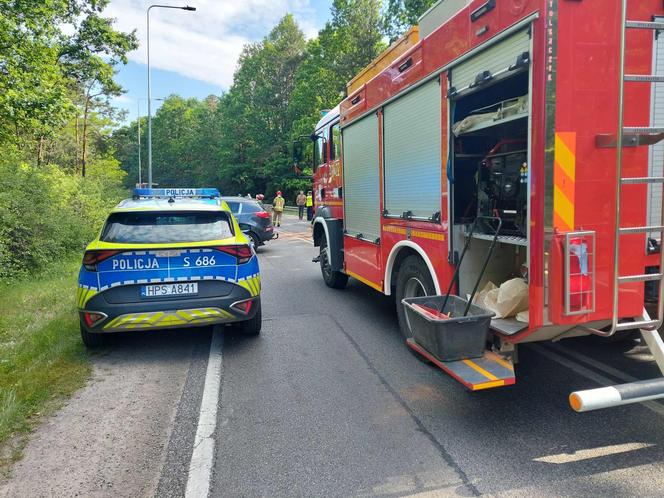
(168, 258)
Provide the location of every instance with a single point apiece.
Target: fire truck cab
(543, 114)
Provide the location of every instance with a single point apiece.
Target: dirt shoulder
(110, 439)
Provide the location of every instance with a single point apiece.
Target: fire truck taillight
(579, 273)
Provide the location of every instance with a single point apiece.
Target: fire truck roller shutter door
(494, 59)
(412, 137)
(361, 178)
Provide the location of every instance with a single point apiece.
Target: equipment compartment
(488, 171)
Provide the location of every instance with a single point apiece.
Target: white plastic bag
(508, 299)
(480, 297)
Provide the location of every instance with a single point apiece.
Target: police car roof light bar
(175, 192)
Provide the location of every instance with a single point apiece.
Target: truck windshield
(159, 228)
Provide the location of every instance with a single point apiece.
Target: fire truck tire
(413, 280)
(333, 279)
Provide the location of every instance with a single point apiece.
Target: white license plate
(166, 290)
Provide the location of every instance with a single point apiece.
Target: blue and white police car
(168, 258)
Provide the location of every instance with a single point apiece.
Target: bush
(47, 213)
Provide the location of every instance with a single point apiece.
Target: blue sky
(194, 54)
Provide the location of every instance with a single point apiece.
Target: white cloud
(205, 44)
(122, 99)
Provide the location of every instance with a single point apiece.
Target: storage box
(448, 339)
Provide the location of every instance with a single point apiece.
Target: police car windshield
(171, 227)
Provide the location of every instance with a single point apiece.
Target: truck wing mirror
(297, 153)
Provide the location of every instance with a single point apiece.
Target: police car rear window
(171, 227)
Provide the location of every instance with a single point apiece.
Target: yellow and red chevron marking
(564, 177)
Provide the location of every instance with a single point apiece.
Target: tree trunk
(40, 151)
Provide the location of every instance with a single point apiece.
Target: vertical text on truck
(547, 114)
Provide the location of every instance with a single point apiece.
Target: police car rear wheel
(91, 340)
(253, 326)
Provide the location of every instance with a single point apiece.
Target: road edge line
(202, 457)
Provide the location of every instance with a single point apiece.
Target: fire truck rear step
(507, 326)
(475, 374)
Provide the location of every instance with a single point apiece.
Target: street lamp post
(186, 7)
(138, 124)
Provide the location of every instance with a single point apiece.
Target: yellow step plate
(475, 374)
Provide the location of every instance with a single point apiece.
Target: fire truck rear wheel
(334, 279)
(413, 280)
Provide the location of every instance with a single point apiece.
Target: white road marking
(589, 374)
(589, 453)
(202, 458)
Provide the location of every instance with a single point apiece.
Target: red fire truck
(546, 114)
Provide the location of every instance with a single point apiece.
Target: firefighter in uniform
(277, 209)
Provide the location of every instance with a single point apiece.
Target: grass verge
(42, 359)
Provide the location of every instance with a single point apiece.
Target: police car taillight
(92, 258)
(241, 252)
(91, 317)
(243, 307)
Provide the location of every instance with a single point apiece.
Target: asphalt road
(329, 402)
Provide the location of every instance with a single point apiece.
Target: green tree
(57, 61)
(347, 44)
(255, 116)
(241, 141)
(400, 15)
